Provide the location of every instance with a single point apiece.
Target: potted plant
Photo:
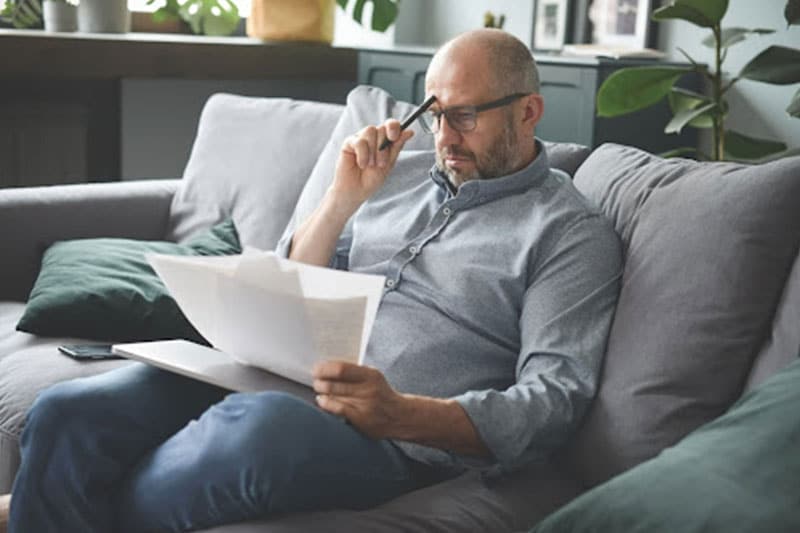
(631, 89)
(311, 20)
(204, 17)
(22, 14)
(60, 15)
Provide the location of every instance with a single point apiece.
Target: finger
(394, 150)
(370, 133)
(333, 405)
(361, 149)
(336, 388)
(392, 127)
(340, 371)
(383, 156)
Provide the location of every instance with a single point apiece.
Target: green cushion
(740, 472)
(104, 289)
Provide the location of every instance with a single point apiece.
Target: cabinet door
(402, 75)
(568, 93)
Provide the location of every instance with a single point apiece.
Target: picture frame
(552, 22)
(620, 23)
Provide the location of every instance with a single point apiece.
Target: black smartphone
(88, 351)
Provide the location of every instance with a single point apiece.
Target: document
(273, 313)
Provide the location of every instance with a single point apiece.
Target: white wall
(756, 109)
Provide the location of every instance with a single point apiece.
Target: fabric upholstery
(41, 216)
(709, 248)
(740, 472)
(783, 344)
(105, 289)
(249, 161)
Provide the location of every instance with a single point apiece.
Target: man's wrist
(339, 206)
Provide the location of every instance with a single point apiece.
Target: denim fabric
(139, 449)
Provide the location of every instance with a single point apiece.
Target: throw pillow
(249, 162)
(709, 247)
(105, 289)
(737, 473)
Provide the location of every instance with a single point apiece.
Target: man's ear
(534, 108)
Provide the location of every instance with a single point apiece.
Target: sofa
(709, 307)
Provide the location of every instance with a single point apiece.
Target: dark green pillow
(104, 289)
(740, 472)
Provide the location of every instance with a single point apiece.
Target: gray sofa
(709, 308)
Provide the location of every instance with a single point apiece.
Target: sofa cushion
(105, 289)
(249, 161)
(709, 247)
(740, 472)
(370, 105)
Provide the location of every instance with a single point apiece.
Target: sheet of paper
(273, 313)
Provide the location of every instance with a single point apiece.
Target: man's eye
(461, 116)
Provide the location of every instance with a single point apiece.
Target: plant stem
(716, 82)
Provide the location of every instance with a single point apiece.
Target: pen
(410, 120)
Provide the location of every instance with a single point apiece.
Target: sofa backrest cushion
(249, 161)
(709, 247)
(783, 344)
(371, 105)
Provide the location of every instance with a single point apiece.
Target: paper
(271, 312)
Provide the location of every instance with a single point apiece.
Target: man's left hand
(362, 396)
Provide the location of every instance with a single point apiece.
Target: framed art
(620, 23)
(551, 24)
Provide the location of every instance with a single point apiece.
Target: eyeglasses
(463, 118)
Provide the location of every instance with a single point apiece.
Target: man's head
(476, 68)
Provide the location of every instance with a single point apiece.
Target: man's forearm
(314, 242)
(439, 423)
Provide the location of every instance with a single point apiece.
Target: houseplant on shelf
(22, 14)
(204, 17)
(631, 89)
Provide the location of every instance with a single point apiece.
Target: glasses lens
(461, 119)
(429, 121)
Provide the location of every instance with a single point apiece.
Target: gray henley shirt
(499, 295)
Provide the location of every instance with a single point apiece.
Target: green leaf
(342, 3)
(631, 89)
(211, 17)
(741, 146)
(684, 100)
(383, 14)
(792, 12)
(358, 11)
(794, 105)
(777, 64)
(731, 36)
(704, 13)
(686, 116)
(678, 152)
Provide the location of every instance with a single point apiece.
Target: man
(501, 286)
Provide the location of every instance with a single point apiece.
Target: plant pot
(295, 20)
(59, 15)
(104, 16)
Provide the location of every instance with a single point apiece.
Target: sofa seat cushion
(249, 161)
(28, 365)
(462, 505)
(740, 472)
(709, 248)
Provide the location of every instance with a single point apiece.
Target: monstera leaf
(384, 12)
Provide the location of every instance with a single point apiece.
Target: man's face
(491, 149)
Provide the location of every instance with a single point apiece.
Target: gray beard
(498, 161)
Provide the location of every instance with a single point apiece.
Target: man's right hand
(362, 168)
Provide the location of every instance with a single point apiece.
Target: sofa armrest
(33, 218)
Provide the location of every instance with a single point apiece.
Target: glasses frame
(472, 109)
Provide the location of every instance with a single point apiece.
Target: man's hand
(362, 168)
(361, 395)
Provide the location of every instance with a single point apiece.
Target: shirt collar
(489, 189)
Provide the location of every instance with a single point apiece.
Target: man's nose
(447, 134)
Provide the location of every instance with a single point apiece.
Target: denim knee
(56, 409)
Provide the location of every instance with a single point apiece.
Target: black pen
(410, 120)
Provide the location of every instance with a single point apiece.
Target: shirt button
(413, 250)
(447, 211)
(389, 283)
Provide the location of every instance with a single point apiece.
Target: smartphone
(88, 351)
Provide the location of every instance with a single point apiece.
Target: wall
(756, 109)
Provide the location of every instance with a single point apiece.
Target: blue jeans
(140, 449)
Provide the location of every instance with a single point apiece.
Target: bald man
(501, 286)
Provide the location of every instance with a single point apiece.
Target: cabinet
(568, 85)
